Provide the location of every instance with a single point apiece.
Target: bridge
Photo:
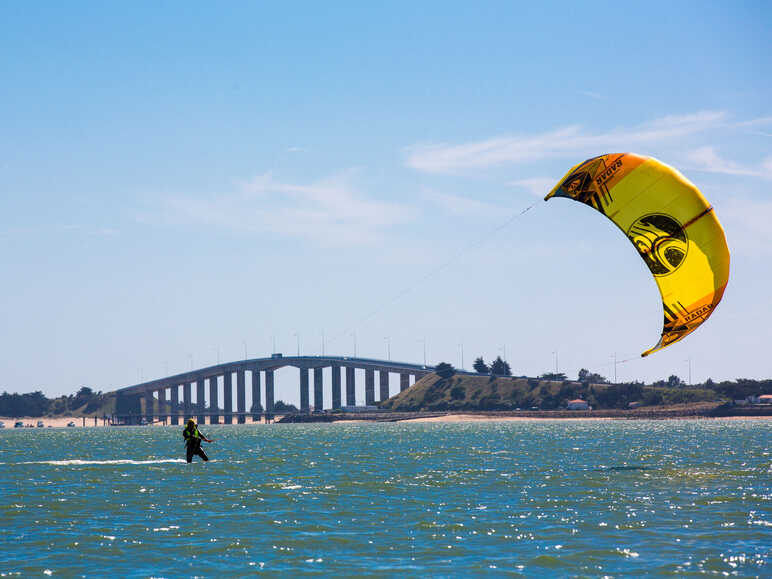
(173, 396)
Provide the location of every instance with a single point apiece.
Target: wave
(79, 462)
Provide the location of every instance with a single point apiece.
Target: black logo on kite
(588, 183)
(661, 241)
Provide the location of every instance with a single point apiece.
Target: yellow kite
(673, 227)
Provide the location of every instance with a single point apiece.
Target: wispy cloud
(707, 159)
(747, 225)
(593, 95)
(460, 205)
(61, 229)
(330, 212)
(565, 141)
(538, 186)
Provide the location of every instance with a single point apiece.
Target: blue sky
(181, 180)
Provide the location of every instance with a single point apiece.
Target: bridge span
(173, 396)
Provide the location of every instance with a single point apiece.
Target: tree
(560, 377)
(281, 407)
(458, 392)
(586, 376)
(480, 366)
(500, 368)
(674, 381)
(444, 370)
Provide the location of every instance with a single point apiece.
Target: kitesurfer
(193, 440)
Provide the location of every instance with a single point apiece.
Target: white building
(578, 404)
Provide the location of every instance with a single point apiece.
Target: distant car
(18, 424)
(2, 424)
(534, 407)
(71, 424)
(40, 424)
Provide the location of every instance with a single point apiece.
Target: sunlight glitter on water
(643, 498)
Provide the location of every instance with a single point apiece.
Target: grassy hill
(464, 392)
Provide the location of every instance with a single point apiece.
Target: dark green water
(562, 499)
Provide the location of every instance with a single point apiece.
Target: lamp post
(689, 361)
(556, 361)
(615, 367)
(388, 348)
(245, 348)
(354, 335)
(297, 336)
(461, 347)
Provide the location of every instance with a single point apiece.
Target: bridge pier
(335, 387)
(318, 389)
(256, 403)
(200, 399)
(186, 401)
(384, 385)
(304, 389)
(227, 394)
(175, 405)
(404, 382)
(214, 403)
(269, 390)
(351, 397)
(149, 405)
(241, 396)
(369, 387)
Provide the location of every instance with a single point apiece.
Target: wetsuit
(193, 443)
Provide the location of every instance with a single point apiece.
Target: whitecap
(78, 462)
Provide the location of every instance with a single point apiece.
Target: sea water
(536, 499)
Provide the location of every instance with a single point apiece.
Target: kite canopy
(671, 225)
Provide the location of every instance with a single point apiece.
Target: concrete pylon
(241, 396)
(304, 389)
(384, 385)
(269, 390)
(318, 389)
(404, 382)
(166, 396)
(200, 399)
(186, 396)
(351, 397)
(227, 394)
(369, 387)
(335, 387)
(214, 401)
(175, 404)
(149, 404)
(256, 398)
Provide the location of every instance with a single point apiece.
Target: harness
(189, 434)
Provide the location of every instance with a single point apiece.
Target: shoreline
(680, 412)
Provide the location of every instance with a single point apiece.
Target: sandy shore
(483, 418)
(54, 422)
(63, 421)
(478, 418)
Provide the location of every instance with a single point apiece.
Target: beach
(52, 421)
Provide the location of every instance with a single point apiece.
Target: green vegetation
(280, 407)
(84, 401)
(468, 392)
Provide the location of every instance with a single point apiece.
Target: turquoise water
(587, 499)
